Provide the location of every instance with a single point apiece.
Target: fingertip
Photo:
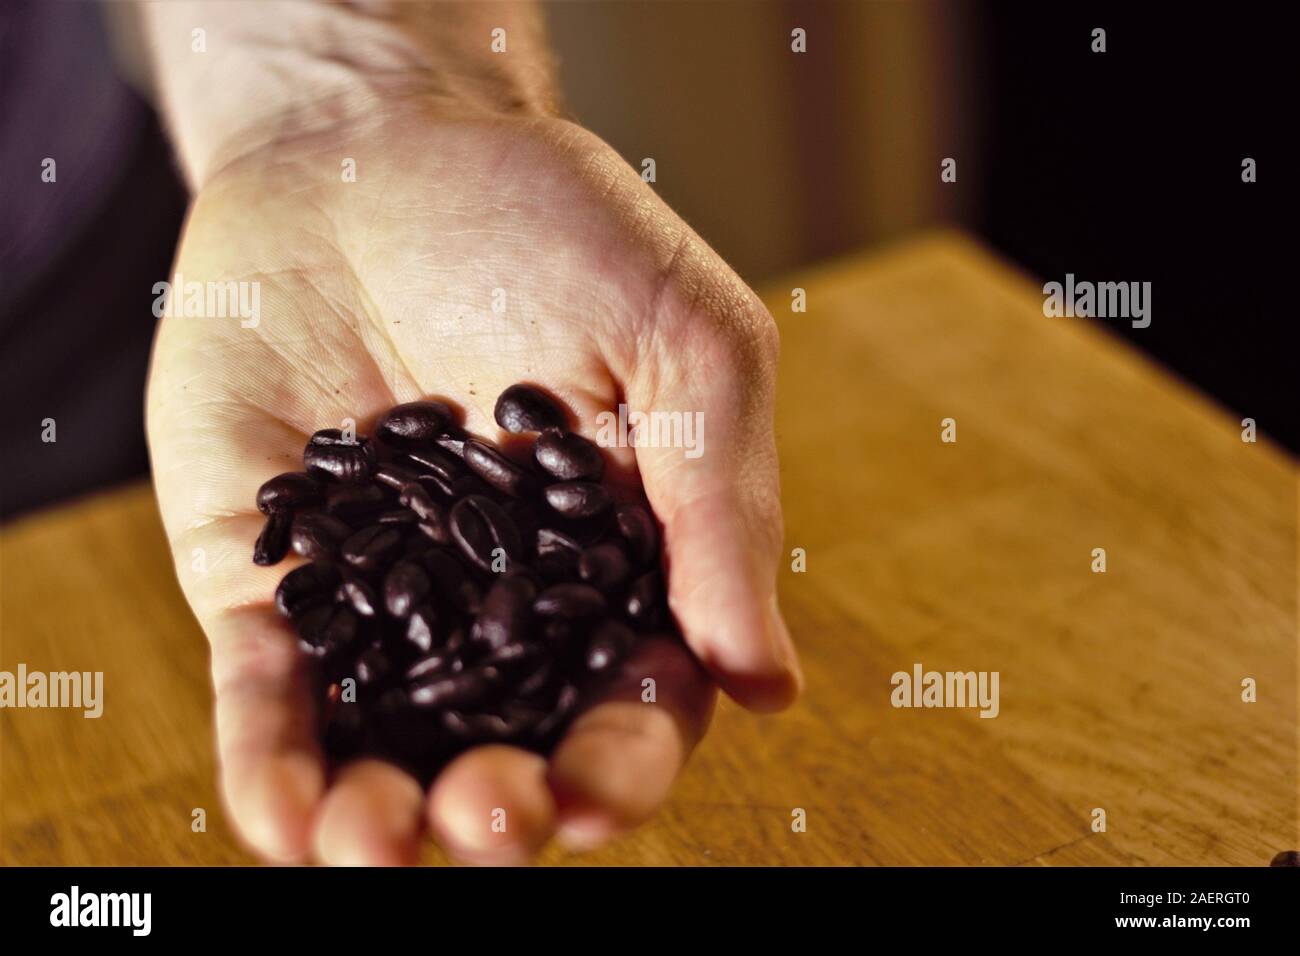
(272, 804)
(371, 817)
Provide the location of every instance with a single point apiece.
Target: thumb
(713, 482)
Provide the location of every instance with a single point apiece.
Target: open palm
(464, 257)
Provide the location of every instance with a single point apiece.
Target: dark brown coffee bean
(523, 408)
(514, 658)
(436, 529)
(639, 531)
(472, 728)
(327, 629)
(397, 516)
(316, 535)
(395, 476)
(414, 496)
(372, 667)
(566, 703)
(645, 600)
(306, 585)
(422, 627)
(428, 666)
(537, 682)
(293, 489)
(507, 611)
(329, 454)
(552, 539)
(604, 566)
(609, 644)
(453, 442)
(371, 547)
(558, 635)
(579, 499)
(405, 586)
(350, 501)
(452, 584)
(568, 457)
(570, 602)
(485, 533)
(497, 470)
(412, 423)
(434, 461)
(273, 543)
(355, 591)
(465, 689)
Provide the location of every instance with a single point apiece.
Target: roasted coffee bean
(465, 689)
(293, 489)
(372, 667)
(578, 499)
(316, 535)
(537, 682)
(405, 586)
(471, 728)
(514, 658)
(327, 629)
(354, 590)
(645, 600)
(568, 457)
(639, 531)
(428, 666)
(273, 543)
(523, 408)
(304, 586)
(371, 547)
(498, 470)
(566, 702)
(350, 501)
(395, 476)
(558, 634)
(434, 461)
(436, 528)
(422, 627)
(604, 566)
(1286, 858)
(412, 423)
(609, 644)
(398, 516)
(552, 539)
(414, 496)
(329, 454)
(507, 611)
(485, 532)
(450, 581)
(570, 602)
(452, 442)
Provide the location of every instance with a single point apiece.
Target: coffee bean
(639, 531)
(293, 489)
(328, 454)
(453, 442)
(405, 586)
(645, 600)
(507, 611)
(523, 408)
(552, 539)
(372, 667)
(570, 602)
(398, 516)
(426, 509)
(355, 591)
(437, 462)
(567, 456)
(428, 666)
(609, 644)
(351, 501)
(578, 499)
(273, 543)
(452, 585)
(305, 585)
(412, 423)
(485, 532)
(604, 566)
(371, 547)
(395, 476)
(513, 658)
(327, 629)
(454, 690)
(498, 470)
(566, 702)
(316, 535)
(422, 627)
(537, 682)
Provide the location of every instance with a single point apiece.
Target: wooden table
(1118, 690)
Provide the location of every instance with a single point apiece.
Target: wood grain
(1119, 690)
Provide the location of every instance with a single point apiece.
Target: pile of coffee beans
(454, 594)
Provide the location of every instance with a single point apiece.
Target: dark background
(1123, 166)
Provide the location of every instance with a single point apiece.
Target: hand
(380, 291)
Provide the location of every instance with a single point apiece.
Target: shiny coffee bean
(350, 501)
(604, 566)
(497, 470)
(327, 629)
(452, 442)
(465, 689)
(570, 602)
(552, 539)
(273, 543)
(639, 531)
(428, 666)
(316, 535)
(293, 489)
(645, 600)
(355, 591)
(523, 408)
(395, 476)
(437, 462)
(579, 499)
(412, 423)
(609, 644)
(303, 586)
(329, 455)
(372, 667)
(406, 585)
(568, 457)
(415, 497)
(507, 611)
(485, 533)
(371, 547)
(398, 516)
